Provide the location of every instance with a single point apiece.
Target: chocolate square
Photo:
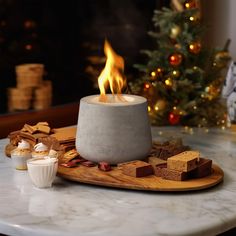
(136, 168)
(203, 169)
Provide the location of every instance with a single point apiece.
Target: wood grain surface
(115, 179)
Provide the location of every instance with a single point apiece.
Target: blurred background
(67, 37)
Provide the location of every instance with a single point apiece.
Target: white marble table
(75, 209)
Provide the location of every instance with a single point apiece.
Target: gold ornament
(160, 105)
(221, 59)
(213, 91)
(175, 59)
(195, 47)
(174, 32)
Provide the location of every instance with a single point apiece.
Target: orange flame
(112, 74)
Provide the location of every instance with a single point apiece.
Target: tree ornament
(194, 47)
(190, 4)
(160, 105)
(221, 59)
(175, 31)
(173, 118)
(213, 91)
(175, 59)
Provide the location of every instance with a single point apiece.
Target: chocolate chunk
(161, 170)
(203, 169)
(88, 163)
(173, 174)
(69, 164)
(158, 169)
(104, 166)
(137, 169)
(168, 148)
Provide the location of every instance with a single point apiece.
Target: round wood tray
(115, 179)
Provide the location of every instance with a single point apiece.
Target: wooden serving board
(115, 179)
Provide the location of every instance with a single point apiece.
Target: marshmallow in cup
(40, 150)
(42, 171)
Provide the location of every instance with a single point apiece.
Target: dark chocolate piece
(158, 169)
(203, 169)
(168, 148)
(88, 163)
(137, 169)
(162, 171)
(174, 174)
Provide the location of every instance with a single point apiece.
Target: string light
(192, 18)
(156, 108)
(168, 82)
(160, 132)
(187, 5)
(28, 46)
(149, 109)
(153, 74)
(147, 86)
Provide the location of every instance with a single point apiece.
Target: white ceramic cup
(42, 171)
(19, 161)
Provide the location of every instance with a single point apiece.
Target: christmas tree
(182, 79)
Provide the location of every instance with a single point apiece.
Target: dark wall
(63, 34)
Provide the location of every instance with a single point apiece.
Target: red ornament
(174, 118)
(175, 59)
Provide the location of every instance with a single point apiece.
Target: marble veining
(70, 208)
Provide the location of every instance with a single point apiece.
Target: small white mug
(42, 171)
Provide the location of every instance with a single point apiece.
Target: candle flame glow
(112, 75)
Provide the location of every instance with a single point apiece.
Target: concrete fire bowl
(114, 132)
